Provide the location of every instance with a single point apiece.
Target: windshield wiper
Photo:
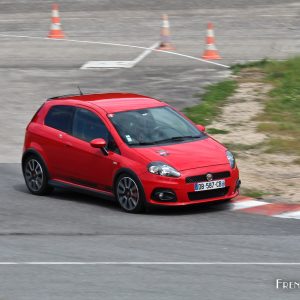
(178, 138)
(142, 144)
(174, 138)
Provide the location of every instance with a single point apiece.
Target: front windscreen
(153, 126)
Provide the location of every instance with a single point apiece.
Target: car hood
(187, 155)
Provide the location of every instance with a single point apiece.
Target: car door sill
(73, 186)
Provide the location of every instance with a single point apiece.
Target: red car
(130, 147)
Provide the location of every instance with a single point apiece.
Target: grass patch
(296, 161)
(253, 64)
(217, 131)
(278, 145)
(253, 193)
(281, 116)
(278, 128)
(241, 147)
(211, 103)
(282, 111)
(238, 149)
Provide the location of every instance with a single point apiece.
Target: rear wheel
(36, 176)
(130, 194)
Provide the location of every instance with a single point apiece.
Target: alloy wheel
(34, 175)
(128, 193)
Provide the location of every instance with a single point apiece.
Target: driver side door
(89, 166)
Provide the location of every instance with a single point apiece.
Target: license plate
(209, 185)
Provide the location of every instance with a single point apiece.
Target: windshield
(153, 126)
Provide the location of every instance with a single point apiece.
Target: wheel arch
(142, 203)
(125, 171)
(33, 152)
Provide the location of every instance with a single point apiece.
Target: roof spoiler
(63, 96)
(68, 95)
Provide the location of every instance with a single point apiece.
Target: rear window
(60, 117)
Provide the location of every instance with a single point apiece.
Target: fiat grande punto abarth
(135, 149)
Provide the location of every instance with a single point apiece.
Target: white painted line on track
(119, 64)
(118, 45)
(289, 215)
(247, 204)
(106, 64)
(144, 263)
(144, 54)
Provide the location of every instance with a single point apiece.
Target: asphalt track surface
(70, 227)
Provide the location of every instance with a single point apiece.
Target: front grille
(208, 194)
(199, 178)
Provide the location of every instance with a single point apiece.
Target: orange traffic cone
(165, 34)
(55, 30)
(211, 51)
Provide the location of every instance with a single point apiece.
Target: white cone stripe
(165, 24)
(289, 215)
(55, 26)
(247, 204)
(55, 13)
(211, 47)
(210, 33)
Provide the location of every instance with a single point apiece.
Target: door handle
(68, 144)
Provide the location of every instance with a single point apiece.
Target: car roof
(113, 102)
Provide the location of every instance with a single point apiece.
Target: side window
(60, 117)
(88, 126)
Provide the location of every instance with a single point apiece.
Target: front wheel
(36, 176)
(130, 194)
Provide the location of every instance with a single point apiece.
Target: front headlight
(231, 159)
(162, 169)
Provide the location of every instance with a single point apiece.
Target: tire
(36, 176)
(130, 193)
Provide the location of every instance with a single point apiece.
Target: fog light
(164, 195)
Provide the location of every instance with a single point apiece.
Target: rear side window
(60, 117)
(88, 126)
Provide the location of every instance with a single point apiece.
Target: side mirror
(201, 127)
(98, 143)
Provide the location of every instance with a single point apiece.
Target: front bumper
(185, 193)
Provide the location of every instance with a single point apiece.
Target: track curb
(254, 206)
